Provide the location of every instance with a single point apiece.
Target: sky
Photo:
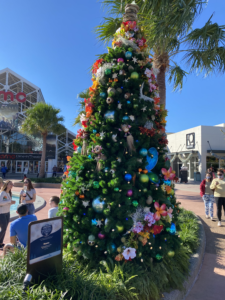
(52, 44)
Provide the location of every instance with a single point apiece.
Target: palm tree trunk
(42, 169)
(161, 80)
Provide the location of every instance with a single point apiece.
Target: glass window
(31, 166)
(212, 162)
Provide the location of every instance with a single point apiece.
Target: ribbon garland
(185, 159)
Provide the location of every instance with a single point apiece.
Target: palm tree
(168, 25)
(43, 119)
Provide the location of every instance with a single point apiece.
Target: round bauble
(154, 178)
(98, 205)
(103, 95)
(128, 54)
(109, 100)
(171, 253)
(158, 257)
(129, 193)
(120, 60)
(108, 71)
(119, 90)
(111, 248)
(111, 91)
(127, 96)
(143, 152)
(125, 118)
(134, 75)
(116, 189)
(120, 227)
(119, 249)
(145, 190)
(110, 115)
(101, 236)
(91, 240)
(128, 177)
(123, 240)
(130, 68)
(149, 200)
(128, 102)
(144, 178)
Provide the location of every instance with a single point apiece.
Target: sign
(44, 248)
(20, 97)
(20, 156)
(190, 140)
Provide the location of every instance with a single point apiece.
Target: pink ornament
(129, 193)
(101, 236)
(120, 60)
(65, 209)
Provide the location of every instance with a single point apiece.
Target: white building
(198, 148)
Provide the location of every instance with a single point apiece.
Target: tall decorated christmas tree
(118, 197)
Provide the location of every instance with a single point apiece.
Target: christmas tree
(118, 197)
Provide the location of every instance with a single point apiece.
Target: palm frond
(106, 30)
(176, 75)
(83, 95)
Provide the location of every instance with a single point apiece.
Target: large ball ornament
(128, 177)
(103, 95)
(171, 253)
(120, 60)
(91, 240)
(129, 193)
(111, 91)
(134, 75)
(108, 71)
(120, 227)
(143, 152)
(152, 158)
(127, 95)
(119, 90)
(109, 100)
(149, 200)
(128, 54)
(101, 236)
(110, 115)
(111, 248)
(154, 178)
(98, 205)
(144, 178)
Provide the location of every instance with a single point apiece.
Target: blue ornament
(128, 102)
(137, 141)
(89, 156)
(110, 115)
(143, 152)
(128, 177)
(106, 170)
(98, 205)
(103, 95)
(167, 182)
(125, 118)
(94, 131)
(93, 222)
(111, 248)
(128, 55)
(79, 149)
(172, 229)
(152, 161)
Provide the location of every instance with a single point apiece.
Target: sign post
(44, 249)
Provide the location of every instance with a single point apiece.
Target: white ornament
(99, 223)
(129, 253)
(144, 108)
(132, 118)
(119, 159)
(140, 160)
(119, 105)
(134, 59)
(85, 203)
(114, 75)
(145, 98)
(148, 73)
(146, 209)
(114, 137)
(102, 134)
(153, 117)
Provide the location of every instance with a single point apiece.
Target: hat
(1, 180)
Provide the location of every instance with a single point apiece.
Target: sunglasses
(220, 174)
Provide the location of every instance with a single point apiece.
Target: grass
(113, 281)
(47, 180)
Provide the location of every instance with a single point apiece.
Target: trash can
(183, 176)
(198, 176)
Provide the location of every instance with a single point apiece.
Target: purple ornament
(120, 60)
(129, 193)
(101, 236)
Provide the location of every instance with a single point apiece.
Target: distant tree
(43, 118)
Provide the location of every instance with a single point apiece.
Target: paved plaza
(210, 283)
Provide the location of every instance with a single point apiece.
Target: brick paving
(210, 284)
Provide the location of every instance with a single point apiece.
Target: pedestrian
(25, 172)
(54, 170)
(54, 203)
(218, 184)
(5, 203)
(3, 170)
(207, 195)
(211, 170)
(28, 196)
(19, 228)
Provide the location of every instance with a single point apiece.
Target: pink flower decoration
(65, 209)
(160, 211)
(169, 212)
(170, 174)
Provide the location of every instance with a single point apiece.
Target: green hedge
(47, 180)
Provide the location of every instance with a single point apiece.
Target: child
(54, 202)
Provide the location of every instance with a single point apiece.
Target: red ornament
(157, 229)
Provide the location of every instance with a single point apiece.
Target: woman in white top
(5, 203)
(28, 196)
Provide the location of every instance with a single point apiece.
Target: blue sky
(52, 44)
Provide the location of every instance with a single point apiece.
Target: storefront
(198, 149)
(19, 151)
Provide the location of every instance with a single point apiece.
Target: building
(198, 148)
(19, 151)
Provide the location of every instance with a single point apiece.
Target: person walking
(218, 184)
(28, 196)
(207, 195)
(54, 170)
(3, 170)
(5, 203)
